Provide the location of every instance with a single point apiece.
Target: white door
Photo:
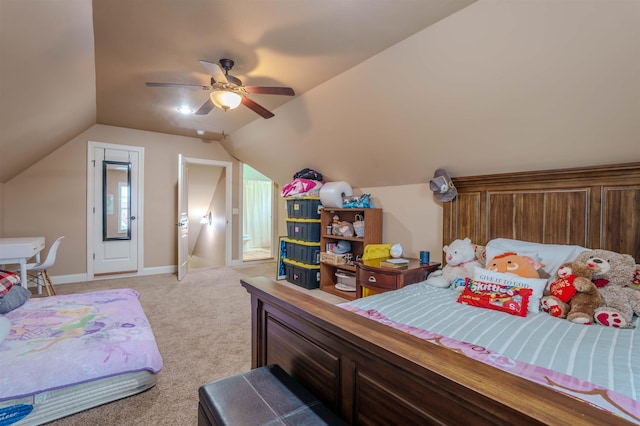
(114, 216)
(183, 218)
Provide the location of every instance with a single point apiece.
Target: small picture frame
(282, 254)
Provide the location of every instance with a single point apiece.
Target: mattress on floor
(68, 353)
(57, 403)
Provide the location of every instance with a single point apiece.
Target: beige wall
(499, 86)
(1, 210)
(50, 198)
(47, 51)
(202, 186)
(211, 238)
(410, 217)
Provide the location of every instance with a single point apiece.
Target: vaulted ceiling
(67, 65)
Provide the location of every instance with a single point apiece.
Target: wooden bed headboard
(594, 207)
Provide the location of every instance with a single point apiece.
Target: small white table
(19, 250)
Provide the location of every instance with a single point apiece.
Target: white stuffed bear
(462, 258)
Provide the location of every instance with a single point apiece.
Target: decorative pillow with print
(552, 256)
(536, 285)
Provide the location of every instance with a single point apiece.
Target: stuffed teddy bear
(481, 254)
(612, 274)
(512, 263)
(461, 260)
(572, 295)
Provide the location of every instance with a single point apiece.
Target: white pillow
(537, 285)
(5, 327)
(552, 256)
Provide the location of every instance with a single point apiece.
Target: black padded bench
(264, 396)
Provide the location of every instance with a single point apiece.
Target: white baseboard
(69, 279)
(172, 269)
(78, 278)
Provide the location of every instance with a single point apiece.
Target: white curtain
(257, 213)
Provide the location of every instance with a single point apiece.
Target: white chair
(39, 270)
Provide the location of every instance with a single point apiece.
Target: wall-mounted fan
(227, 91)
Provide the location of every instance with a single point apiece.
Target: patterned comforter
(63, 340)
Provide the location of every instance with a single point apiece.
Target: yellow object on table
(376, 251)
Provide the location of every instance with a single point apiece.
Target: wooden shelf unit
(372, 235)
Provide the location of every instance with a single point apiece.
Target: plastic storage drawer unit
(303, 251)
(304, 229)
(304, 208)
(300, 274)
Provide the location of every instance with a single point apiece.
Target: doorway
(204, 211)
(257, 216)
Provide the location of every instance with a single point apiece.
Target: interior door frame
(275, 236)
(228, 170)
(91, 214)
(182, 225)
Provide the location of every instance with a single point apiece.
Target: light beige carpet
(202, 327)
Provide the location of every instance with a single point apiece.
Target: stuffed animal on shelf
(512, 263)
(461, 259)
(572, 295)
(612, 274)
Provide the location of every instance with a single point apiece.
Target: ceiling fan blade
(259, 109)
(234, 80)
(178, 85)
(214, 71)
(205, 108)
(261, 90)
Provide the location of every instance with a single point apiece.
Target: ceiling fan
(227, 91)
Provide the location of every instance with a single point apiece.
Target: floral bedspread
(62, 340)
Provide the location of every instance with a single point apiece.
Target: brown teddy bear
(572, 296)
(612, 274)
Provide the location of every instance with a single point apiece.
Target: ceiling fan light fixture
(225, 99)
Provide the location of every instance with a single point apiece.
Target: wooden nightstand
(378, 279)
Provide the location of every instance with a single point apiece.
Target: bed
(68, 353)
(373, 372)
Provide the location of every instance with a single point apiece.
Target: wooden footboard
(370, 373)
